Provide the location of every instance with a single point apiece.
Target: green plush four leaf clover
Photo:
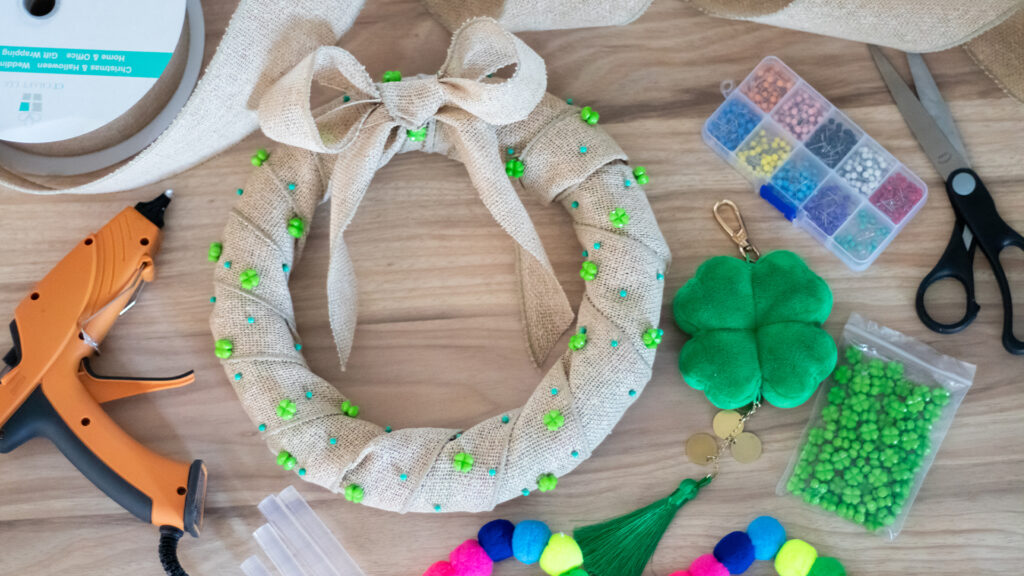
(755, 330)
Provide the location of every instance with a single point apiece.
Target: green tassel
(623, 546)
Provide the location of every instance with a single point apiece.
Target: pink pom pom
(708, 565)
(440, 569)
(681, 573)
(470, 559)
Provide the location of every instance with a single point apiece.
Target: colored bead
(309, 393)
(561, 555)
(286, 409)
(239, 191)
(732, 123)
(529, 539)
(659, 276)
(213, 299)
(296, 227)
(227, 264)
(589, 115)
(766, 535)
(403, 477)
(291, 185)
(618, 217)
(597, 245)
(588, 270)
(640, 174)
(554, 391)
(470, 559)
(418, 135)
(795, 558)
(577, 341)
(547, 482)
(510, 151)
(213, 254)
(575, 454)
(298, 347)
(767, 85)
(285, 268)
(354, 493)
(492, 472)
(632, 393)
(554, 420)
(286, 460)
(504, 418)
(627, 182)
(238, 376)
(302, 471)
(525, 491)
(652, 337)
(346, 98)
(897, 197)
(568, 101)
(437, 507)
(583, 149)
(262, 427)
(462, 462)
(349, 409)
(223, 348)
(585, 254)
(575, 204)
(249, 279)
(387, 429)
(332, 441)
(614, 343)
(392, 76)
(764, 153)
(260, 157)
(707, 565)
(515, 168)
(250, 320)
(622, 293)
(496, 539)
(440, 569)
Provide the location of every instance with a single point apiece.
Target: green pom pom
(214, 253)
(755, 330)
(354, 493)
(515, 168)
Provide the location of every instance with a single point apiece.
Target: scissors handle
(974, 205)
(957, 262)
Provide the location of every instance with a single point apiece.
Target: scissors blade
(932, 100)
(943, 155)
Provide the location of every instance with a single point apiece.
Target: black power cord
(168, 550)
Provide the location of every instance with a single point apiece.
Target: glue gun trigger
(106, 389)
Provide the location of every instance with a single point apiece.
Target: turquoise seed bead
(302, 471)
(554, 391)
(437, 507)
(238, 376)
(614, 343)
(597, 245)
(622, 293)
(250, 320)
(403, 477)
(332, 441)
(492, 472)
(387, 429)
(291, 185)
(309, 393)
(298, 346)
(262, 427)
(575, 204)
(583, 149)
(504, 418)
(239, 191)
(575, 454)
(632, 393)
(213, 299)
(526, 492)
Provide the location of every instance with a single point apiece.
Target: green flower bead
(588, 271)
(841, 460)
(940, 396)
(418, 135)
(876, 367)
(286, 460)
(296, 227)
(652, 337)
(910, 441)
(902, 473)
(589, 115)
(554, 420)
(830, 414)
(836, 395)
(250, 279)
(515, 168)
(877, 477)
(577, 341)
(890, 435)
(858, 403)
(894, 370)
(223, 348)
(824, 471)
(618, 217)
(462, 462)
(392, 76)
(843, 374)
(547, 482)
(286, 409)
(854, 355)
(861, 383)
(869, 431)
(640, 174)
(354, 493)
(213, 254)
(815, 436)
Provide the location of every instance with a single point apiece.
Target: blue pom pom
(767, 535)
(496, 539)
(735, 552)
(529, 540)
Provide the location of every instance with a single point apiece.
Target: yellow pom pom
(795, 558)
(561, 555)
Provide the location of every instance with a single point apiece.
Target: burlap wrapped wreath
(501, 129)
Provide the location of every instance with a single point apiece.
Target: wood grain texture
(436, 291)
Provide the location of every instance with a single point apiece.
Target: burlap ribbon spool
(472, 118)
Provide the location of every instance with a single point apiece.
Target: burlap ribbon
(458, 108)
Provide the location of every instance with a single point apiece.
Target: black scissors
(978, 224)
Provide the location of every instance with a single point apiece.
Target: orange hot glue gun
(48, 389)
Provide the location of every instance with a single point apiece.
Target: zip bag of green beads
(876, 426)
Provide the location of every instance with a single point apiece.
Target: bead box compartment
(810, 153)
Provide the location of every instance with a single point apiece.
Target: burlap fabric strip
(473, 118)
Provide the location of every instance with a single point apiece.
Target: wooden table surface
(654, 83)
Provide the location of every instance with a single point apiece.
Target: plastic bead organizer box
(813, 164)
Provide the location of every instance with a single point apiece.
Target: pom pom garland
(529, 539)
(496, 539)
(561, 555)
(470, 559)
(767, 536)
(735, 551)
(795, 558)
(707, 565)
(440, 569)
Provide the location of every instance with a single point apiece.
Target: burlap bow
(459, 108)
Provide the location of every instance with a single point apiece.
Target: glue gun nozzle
(154, 209)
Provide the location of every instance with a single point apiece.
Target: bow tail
(353, 171)
(545, 308)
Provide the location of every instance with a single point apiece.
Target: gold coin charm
(701, 448)
(746, 448)
(727, 423)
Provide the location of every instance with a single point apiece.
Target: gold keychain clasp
(739, 234)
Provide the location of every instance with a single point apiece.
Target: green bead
(286, 409)
(462, 462)
(515, 168)
(282, 458)
(392, 76)
(418, 135)
(652, 337)
(213, 254)
(554, 420)
(589, 115)
(354, 493)
(854, 355)
(262, 154)
(618, 217)
(577, 341)
(250, 279)
(547, 482)
(640, 175)
(296, 227)
(223, 348)
(843, 374)
(588, 270)
(256, 161)
(836, 395)
(349, 409)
